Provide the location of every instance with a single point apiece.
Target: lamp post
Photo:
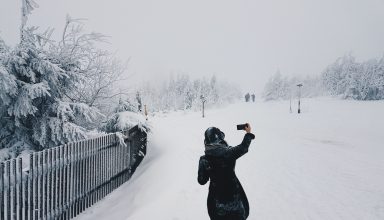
(146, 112)
(299, 85)
(203, 100)
(290, 102)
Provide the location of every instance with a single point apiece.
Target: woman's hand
(248, 128)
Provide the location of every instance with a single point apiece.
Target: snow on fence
(63, 181)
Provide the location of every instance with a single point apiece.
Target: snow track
(327, 163)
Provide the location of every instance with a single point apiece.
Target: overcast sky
(244, 41)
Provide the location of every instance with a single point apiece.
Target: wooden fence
(62, 182)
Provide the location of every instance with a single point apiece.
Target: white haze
(242, 41)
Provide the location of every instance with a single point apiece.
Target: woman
(226, 197)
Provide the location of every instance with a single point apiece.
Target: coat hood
(213, 136)
(218, 149)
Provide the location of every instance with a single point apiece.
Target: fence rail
(62, 182)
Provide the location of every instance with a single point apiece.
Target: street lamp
(203, 100)
(299, 85)
(290, 102)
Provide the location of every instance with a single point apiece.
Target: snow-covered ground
(327, 163)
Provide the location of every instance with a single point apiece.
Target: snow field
(326, 163)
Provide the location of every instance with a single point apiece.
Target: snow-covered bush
(124, 121)
(125, 117)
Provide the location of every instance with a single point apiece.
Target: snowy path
(327, 163)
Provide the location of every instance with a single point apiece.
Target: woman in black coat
(226, 197)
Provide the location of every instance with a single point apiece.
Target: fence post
(79, 165)
(110, 163)
(82, 175)
(20, 188)
(49, 184)
(114, 147)
(76, 178)
(41, 185)
(59, 180)
(105, 164)
(29, 202)
(26, 186)
(34, 176)
(71, 198)
(65, 182)
(2, 204)
(73, 179)
(120, 155)
(69, 173)
(55, 199)
(87, 166)
(45, 182)
(13, 188)
(99, 166)
(102, 142)
(91, 173)
(8, 191)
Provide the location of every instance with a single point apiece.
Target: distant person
(247, 96)
(253, 97)
(226, 197)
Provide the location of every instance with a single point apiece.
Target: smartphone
(241, 126)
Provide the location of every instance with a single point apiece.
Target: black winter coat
(226, 197)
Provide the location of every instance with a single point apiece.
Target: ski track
(326, 163)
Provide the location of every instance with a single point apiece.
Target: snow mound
(126, 120)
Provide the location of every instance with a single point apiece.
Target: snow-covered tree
(277, 88)
(50, 90)
(282, 88)
(350, 79)
(126, 105)
(335, 76)
(96, 70)
(34, 111)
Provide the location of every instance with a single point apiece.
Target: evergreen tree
(34, 109)
(34, 112)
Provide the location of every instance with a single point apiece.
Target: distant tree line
(285, 87)
(180, 92)
(345, 78)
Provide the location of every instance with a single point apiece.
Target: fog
(243, 41)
